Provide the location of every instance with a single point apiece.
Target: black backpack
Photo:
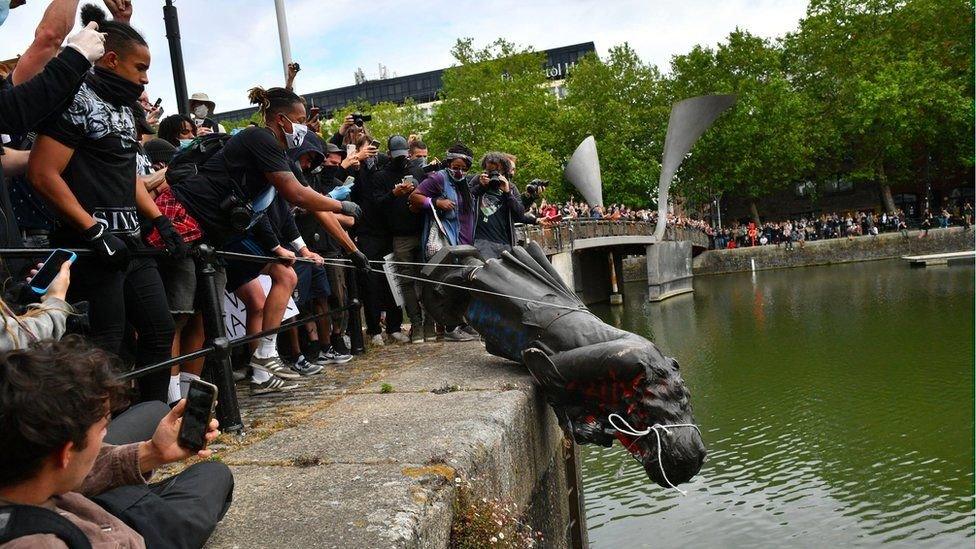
(187, 161)
(17, 521)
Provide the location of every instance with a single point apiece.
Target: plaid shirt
(172, 208)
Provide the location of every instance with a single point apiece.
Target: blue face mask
(4, 10)
(184, 143)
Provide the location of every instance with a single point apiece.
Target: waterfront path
(366, 454)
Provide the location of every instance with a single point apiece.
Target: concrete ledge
(836, 250)
(819, 252)
(376, 466)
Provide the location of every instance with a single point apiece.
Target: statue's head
(660, 397)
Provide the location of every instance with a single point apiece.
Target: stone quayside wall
(820, 252)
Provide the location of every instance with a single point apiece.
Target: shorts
(183, 293)
(240, 272)
(313, 283)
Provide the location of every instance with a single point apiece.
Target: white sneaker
(273, 384)
(400, 337)
(274, 366)
(330, 356)
(377, 340)
(457, 334)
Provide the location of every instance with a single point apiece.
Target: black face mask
(115, 89)
(328, 173)
(400, 162)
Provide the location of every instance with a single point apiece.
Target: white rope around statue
(628, 429)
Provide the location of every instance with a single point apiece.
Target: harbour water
(836, 403)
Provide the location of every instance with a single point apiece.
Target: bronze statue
(586, 368)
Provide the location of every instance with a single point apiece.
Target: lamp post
(283, 36)
(172, 23)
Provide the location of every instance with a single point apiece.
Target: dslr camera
(494, 180)
(359, 118)
(240, 211)
(536, 187)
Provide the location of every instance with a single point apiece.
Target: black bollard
(355, 325)
(218, 363)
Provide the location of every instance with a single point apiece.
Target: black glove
(360, 260)
(109, 248)
(173, 241)
(352, 209)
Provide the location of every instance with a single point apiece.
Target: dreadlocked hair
(273, 100)
(119, 37)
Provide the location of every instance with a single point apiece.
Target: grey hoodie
(47, 322)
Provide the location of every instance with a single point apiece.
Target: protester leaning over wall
(228, 199)
(84, 165)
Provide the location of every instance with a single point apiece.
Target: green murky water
(836, 402)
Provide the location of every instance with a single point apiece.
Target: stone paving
(366, 454)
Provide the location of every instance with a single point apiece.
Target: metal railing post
(218, 363)
(355, 323)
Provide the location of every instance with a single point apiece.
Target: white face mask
(200, 111)
(184, 143)
(297, 135)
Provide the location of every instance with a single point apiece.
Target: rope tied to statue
(629, 430)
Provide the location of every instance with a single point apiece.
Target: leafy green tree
(622, 102)
(763, 143)
(892, 84)
(498, 98)
(241, 122)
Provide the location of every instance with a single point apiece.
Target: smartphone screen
(49, 270)
(313, 113)
(201, 399)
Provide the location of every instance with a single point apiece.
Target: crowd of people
(545, 212)
(851, 224)
(90, 163)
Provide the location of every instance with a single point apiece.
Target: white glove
(89, 42)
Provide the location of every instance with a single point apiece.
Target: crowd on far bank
(838, 225)
(574, 210)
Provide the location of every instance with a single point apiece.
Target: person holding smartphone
(45, 320)
(56, 402)
(390, 189)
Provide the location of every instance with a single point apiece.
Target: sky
(232, 45)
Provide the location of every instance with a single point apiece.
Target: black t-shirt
(244, 159)
(493, 218)
(102, 170)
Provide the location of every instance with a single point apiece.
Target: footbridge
(589, 255)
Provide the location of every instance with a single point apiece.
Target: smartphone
(158, 102)
(49, 270)
(313, 113)
(409, 180)
(349, 181)
(350, 150)
(201, 401)
(375, 143)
